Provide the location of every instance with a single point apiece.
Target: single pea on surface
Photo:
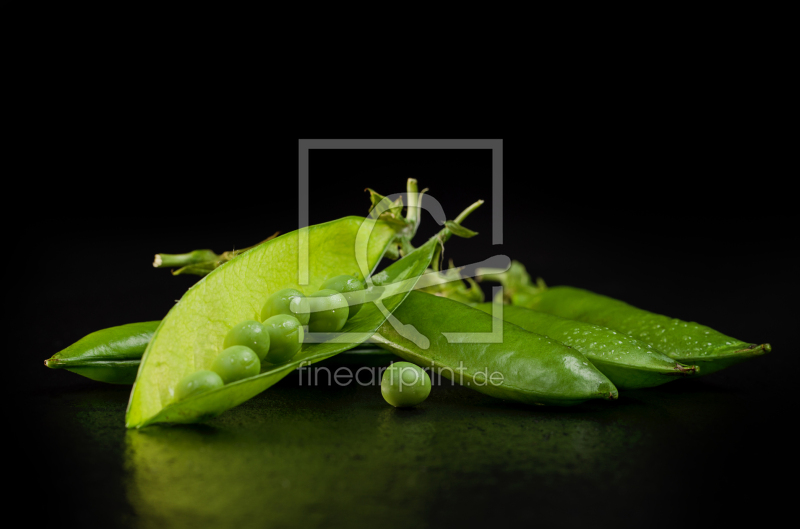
(285, 337)
(197, 383)
(252, 334)
(329, 311)
(351, 287)
(235, 363)
(405, 384)
(287, 301)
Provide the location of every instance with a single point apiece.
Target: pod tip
(755, 349)
(609, 393)
(687, 370)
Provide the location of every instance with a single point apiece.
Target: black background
(684, 218)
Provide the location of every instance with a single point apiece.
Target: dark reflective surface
(340, 456)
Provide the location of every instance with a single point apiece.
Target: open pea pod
(191, 335)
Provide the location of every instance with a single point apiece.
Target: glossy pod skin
(109, 355)
(628, 363)
(686, 342)
(535, 369)
(114, 372)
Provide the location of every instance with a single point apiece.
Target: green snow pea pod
(252, 334)
(686, 342)
(627, 362)
(236, 363)
(287, 301)
(351, 287)
(404, 385)
(521, 366)
(109, 355)
(191, 336)
(329, 311)
(192, 333)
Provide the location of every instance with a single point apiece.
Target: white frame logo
(430, 204)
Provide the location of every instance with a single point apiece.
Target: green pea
(404, 385)
(351, 287)
(285, 337)
(287, 301)
(329, 311)
(249, 333)
(235, 363)
(196, 383)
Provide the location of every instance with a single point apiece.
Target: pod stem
(518, 289)
(414, 199)
(449, 284)
(199, 262)
(464, 214)
(391, 211)
(446, 233)
(169, 260)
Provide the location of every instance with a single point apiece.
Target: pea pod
(627, 362)
(113, 355)
(531, 368)
(191, 335)
(686, 342)
(109, 355)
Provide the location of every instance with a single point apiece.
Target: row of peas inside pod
(279, 335)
